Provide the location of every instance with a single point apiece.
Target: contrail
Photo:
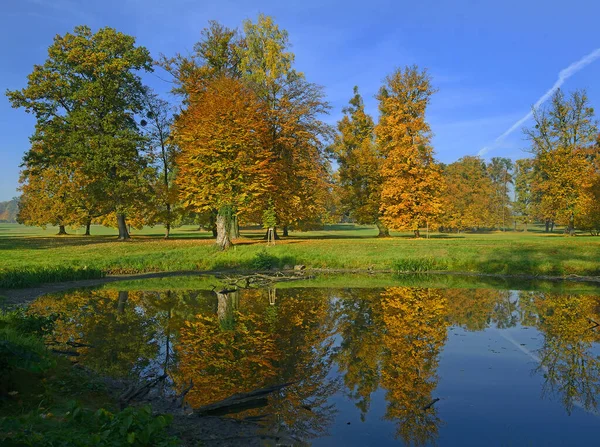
(563, 75)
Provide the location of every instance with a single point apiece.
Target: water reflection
(328, 342)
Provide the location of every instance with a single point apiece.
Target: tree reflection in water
(386, 339)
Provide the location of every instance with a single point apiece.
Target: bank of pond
(416, 361)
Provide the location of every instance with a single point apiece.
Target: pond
(368, 366)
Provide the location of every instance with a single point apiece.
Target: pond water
(369, 366)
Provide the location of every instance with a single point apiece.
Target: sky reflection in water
(508, 368)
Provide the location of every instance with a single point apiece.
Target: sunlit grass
(30, 256)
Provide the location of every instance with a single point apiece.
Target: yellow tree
(563, 142)
(223, 162)
(412, 181)
(467, 195)
(295, 106)
(359, 165)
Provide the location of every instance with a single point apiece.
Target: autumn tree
(45, 200)
(500, 173)
(85, 98)
(359, 165)
(524, 197)
(563, 144)
(412, 181)
(223, 163)
(163, 151)
(467, 195)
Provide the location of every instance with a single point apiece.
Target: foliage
(264, 261)
(468, 195)
(412, 181)
(82, 427)
(84, 98)
(359, 164)
(563, 142)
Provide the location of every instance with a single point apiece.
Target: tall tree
(85, 98)
(224, 163)
(524, 197)
(359, 165)
(163, 150)
(412, 181)
(563, 143)
(297, 134)
(500, 172)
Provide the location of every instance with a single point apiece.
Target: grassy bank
(46, 401)
(32, 256)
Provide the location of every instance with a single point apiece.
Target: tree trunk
(547, 225)
(552, 226)
(383, 230)
(87, 227)
(275, 235)
(123, 295)
(61, 230)
(223, 229)
(271, 235)
(235, 228)
(571, 228)
(214, 230)
(123, 233)
(168, 224)
(417, 233)
(285, 231)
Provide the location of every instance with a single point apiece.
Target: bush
(263, 261)
(82, 427)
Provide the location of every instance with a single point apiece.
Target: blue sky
(490, 60)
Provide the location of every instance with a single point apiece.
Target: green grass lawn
(30, 255)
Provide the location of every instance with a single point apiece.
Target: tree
(467, 195)
(85, 98)
(164, 152)
(412, 181)
(524, 197)
(359, 165)
(563, 142)
(223, 163)
(45, 200)
(500, 172)
(294, 107)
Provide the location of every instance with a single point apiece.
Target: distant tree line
(9, 210)
(246, 144)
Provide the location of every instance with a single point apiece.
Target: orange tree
(412, 180)
(223, 162)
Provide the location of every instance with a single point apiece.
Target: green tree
(85, 98)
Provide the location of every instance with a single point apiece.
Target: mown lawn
(30, 256)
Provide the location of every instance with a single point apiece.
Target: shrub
(83, 427)
(263, 261)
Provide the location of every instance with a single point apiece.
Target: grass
(31, 256)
